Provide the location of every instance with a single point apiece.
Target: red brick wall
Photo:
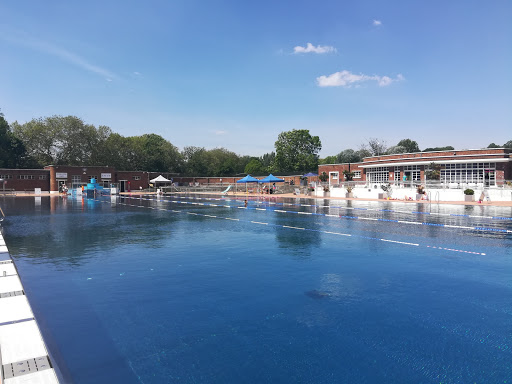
(342, 167)
(19, 184)
(440, 156)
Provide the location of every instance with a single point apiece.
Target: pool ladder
(436, 197)
(2, 215)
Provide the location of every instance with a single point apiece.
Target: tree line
(68, 140)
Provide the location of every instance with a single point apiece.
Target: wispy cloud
(347, 79)
(220, 132)
(61, 53)
(377, 22)
(310, 48)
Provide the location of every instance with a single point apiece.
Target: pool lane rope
(292, 227)
(348, 208)
(478, 228)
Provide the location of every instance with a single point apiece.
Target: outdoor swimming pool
(197, 289)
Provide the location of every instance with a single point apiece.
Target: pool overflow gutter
(22, 348)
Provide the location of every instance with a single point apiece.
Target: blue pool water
(199, 290)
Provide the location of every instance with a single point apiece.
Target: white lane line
(287, 226)
(400, 242)
(337, 233)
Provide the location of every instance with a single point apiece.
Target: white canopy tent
(159, 179)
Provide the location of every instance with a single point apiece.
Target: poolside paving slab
(23, 354)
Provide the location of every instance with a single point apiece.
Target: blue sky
(237, 73)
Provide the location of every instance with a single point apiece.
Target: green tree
(12, 151)
(349, 156)
(493, 145)
(222, 162)
(410, 145)
(196, 161)
(62, 140)
(157, 154)
(39, 140)
(396, 149)
(329, 160)
(436, 149)
(375, 147)
(433, 171)
(349, 176)
(117, 151)
(254, 167)
(296, 151)
(508, 144)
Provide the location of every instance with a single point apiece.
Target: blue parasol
(248, 179)
(271, 179)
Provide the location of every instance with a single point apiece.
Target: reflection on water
(297, 242)
(63, 238)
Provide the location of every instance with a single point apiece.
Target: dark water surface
(148, 293)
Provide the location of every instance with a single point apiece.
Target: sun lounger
(297, 191)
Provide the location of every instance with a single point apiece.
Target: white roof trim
(445, 151)
(466, 161)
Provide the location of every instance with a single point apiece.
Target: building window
(412, 173)
(105, 183)
(42, 177)
(136, 177)
(6, 177)
(357, 174)
(76, 181)
(26, 177)
(89, 178)
(378, 175)
(334, 175)
(397, 177)
(474, 173)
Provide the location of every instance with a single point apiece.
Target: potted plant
(469, 195)
(349, 193)
(322, 190)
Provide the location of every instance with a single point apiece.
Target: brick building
(482, 167)
(52, 177)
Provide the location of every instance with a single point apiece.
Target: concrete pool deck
(24, 357)
(291, 195)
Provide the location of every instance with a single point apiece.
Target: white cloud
(220, 132)
(377, 22)
(348, 79)
(311, 48)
